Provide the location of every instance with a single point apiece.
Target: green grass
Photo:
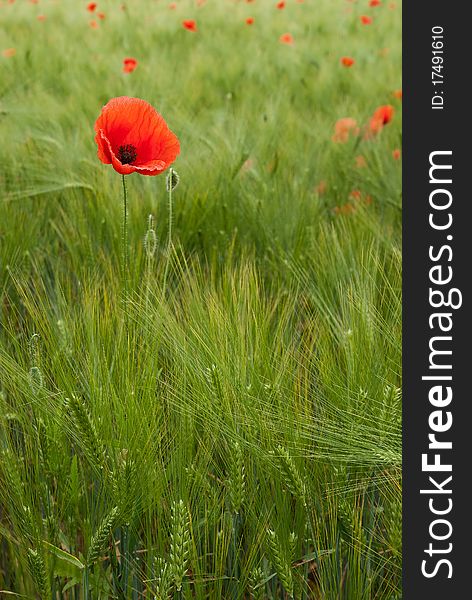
(242, 437)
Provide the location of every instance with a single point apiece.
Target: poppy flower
(101, 16)
(41, 17)
(398, 94)
(382, 116)
(129, 65)
(374, 3)
(91, 6)
(93, 24)
(190, 24)
(249, 20)
(397, 153)
(172, 6)
(343, 128)
(345, 209)
(280, 5)
(360, 197)
(347, 61)
(9, 52)
(365, 20)
(286, 38)
(321, 188)
(133, 137)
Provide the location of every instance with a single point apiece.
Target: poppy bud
(172, 180)
(150, 239)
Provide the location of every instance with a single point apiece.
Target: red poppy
(101, 15)
(41, 17)
(249, 20)
(8, 52)
(93, 24)
(397, 153)
(347, 61)
(133, 137)
(321, 188)
(398, 94)
(365, 20)
(286, 38)
(129, 65)
(190, 24)
(343, 128)
(383, 114)
(280, 4)
(172, 6)
(91, 6)
(375, 3)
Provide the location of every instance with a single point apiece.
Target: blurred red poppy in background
(249, 20)
(280, 4)
(91, 6)
(133, 137)
(382, 116)
(129, 65)
(347, 61)
(286, 38)
(375, 3)
(365, 20)
(343, 128)
(190, 24)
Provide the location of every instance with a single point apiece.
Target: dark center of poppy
(127, 154)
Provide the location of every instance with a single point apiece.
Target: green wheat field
(229, 428)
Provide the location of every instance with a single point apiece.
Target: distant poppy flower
(200, 2)
(398, 94)
(343, 128)
(101, 16)
(347, 61)
(280, 5)
(190, 24)
(356, 195)
(249, 20)
(93, 24)
(397, 153)
(392, 6)
(9, 52)
(374, 3)
(133, 137)
(360, 161)
(381, 117)
(365, 20)
(345, 209)
(172, 6)
(360, 198)
(41, 17)
(34, 1)
(91, 6)
(321, 188)
(286, 38)
(129, 65)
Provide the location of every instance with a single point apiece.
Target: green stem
(125, 258)
(169, 238)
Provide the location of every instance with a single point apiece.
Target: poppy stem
(169, 237)
(125, 259)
